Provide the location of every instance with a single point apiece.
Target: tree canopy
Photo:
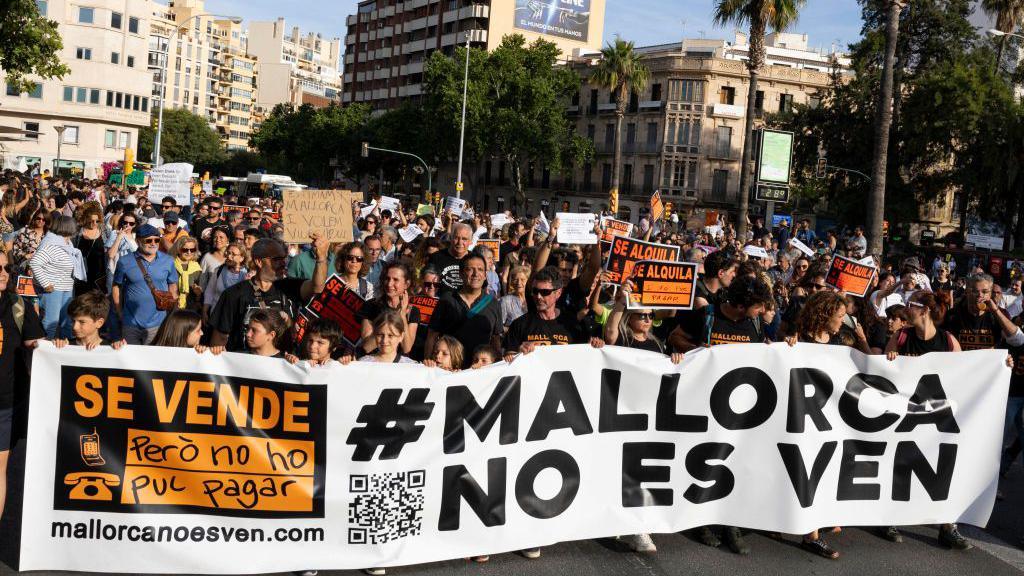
(31, 45)
(186, 138)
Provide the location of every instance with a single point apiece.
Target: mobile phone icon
(90, 445)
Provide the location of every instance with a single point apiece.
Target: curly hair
(86, 211)
(818, 311)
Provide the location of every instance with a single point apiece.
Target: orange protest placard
(426, 306)
(850, 276)
(657, 206)
(626, 252)
(493, 245)
(610, 227)
(26, 286)
(663, 285)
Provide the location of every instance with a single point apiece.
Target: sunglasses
(644, 317)
(545, 292)
(214, 207)
(126, 223)
(167, 207)
(819, 286)
(253, 218)
(431, 284)
(353, 258)
(187, 250)
(151, 241)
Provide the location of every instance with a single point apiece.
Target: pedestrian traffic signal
(366, 150)
(822, 168)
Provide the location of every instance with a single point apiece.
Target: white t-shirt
(401, 360)
(881, 304)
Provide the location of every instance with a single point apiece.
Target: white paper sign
(410, 233)
(171, 180)
(756, 252)
(366, 211)
(499, 220)
(388, 203)
(801, 246)
(576, 228)
(543, 226)
(455, 205)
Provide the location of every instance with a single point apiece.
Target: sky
(644, 21)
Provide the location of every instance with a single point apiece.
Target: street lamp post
(163, 78)
(366, 154)
(462, 136)
(60, 140)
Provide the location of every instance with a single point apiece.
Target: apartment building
(683, 135)
(294, 68)
(237, 87)
(388, 41)
(100, 106)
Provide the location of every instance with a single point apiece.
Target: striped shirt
(52, 266)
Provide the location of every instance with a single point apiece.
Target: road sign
(822, 168)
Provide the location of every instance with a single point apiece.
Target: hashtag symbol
(390, 424)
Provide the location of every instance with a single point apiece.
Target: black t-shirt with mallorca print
(722, 330)
(974, 332)
(563, 330)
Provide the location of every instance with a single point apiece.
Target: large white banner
(150, 460)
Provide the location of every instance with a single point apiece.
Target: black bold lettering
(634, 473)
(849, 403)
(929, 395)
(910, 461)
(609, 419)
(767, 398)
(697, 466)
(561, 391)
(806, 486)
(851, 469)
(527, 496)
(666, 419)
(459, 484)
(801, 406)
(462, 408)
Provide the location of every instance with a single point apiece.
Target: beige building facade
(389, 41)
(294, 68)
(101, 104)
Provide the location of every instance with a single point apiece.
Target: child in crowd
(88, 313)
(267, 327)
(484, 355)
(447, 354)
(183, 329)
(319, 344)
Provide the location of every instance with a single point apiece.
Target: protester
(234, 270)
(265, 331)
(181, 329)
(184, 251)
(55, 265)
(470, 315)
(394, 296)
(447, 262)
(352, 269)
(89, 241)
(388, 333)
(138, 283)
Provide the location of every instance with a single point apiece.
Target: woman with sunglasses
(351, 267)
(89, 242)
(27, 241)
(122, 242)
(185, 250)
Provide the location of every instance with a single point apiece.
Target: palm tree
(1009, 15)
(883, 125)
(622, 72)
(760, 15)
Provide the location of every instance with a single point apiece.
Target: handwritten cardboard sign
(340, 305)
(426, 305)
(626, 252)
(324, 212)
(850, 276)
(576, 228)
(610, 227)
(663, 285)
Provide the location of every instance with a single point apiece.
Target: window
(145, 104)
(131, 61)
(656, 92)
(727, 95)
(609, 135)
(588, 177)
(94, 96)
(118, 99)
(627, 178)
(70, 135)
(648, 179)
(720, 184)
(69, 94)
(85, 15)
(135, 102)
(631, 133)
(108, 138)
(12, 90)
(652, 135)
(115, 57)
(81, 95)
(606, 176)
(759, 101)
(33, 128)
(723, 142)
(36, 92)
(115, 20)
(133, 25)
(124, 141)
(686, 91)
(83, 53)
(41, 5)
(785, 103)
(110, 98)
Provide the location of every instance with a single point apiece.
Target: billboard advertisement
(776, 157)
(562, 18)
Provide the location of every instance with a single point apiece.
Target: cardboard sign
(657, 206)
(410, 233)
(494, 245)
(801, 247)
(850, 276)
(610, 227)
(576, 228)
(324, 212)
(173, 180)
(340, 305)
(26, 287)
(426, 305)
(711, 218)
(663, 285)
(626, 252)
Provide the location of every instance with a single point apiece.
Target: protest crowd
(84, 263)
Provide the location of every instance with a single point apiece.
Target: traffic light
(822, 168)
(129, 161)
(613, 204)
(668, 210)
(366, 150)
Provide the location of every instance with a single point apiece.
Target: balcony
(649, 105)
(606, 108)
(727, 111)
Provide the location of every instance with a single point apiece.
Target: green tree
(186, 138)
(31, 45)
(760, 15)
(622, 72)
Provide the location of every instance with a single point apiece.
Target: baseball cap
(171, 217)
(146, 231)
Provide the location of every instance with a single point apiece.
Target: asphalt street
(997, 550)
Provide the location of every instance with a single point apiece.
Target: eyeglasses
(9, 268)
(431, 284)
(151, 241)
(353, 258)
(819, 286)
(544, 292)
(644, 317)
(170, 223)
(212, 207)
(187, 250)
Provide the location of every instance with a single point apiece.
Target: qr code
(386, 506)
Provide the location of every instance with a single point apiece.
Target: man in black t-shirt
(470, 315)
(978, 323)
(202, 228)
(686, 329)
(447, 261)
(269, 288)
(545, 325)
(736, 319)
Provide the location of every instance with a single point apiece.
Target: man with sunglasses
(133, 299)
(172, 230)
(544, 324)
(202, 228)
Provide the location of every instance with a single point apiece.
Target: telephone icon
(91, 485)
(90, 447)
